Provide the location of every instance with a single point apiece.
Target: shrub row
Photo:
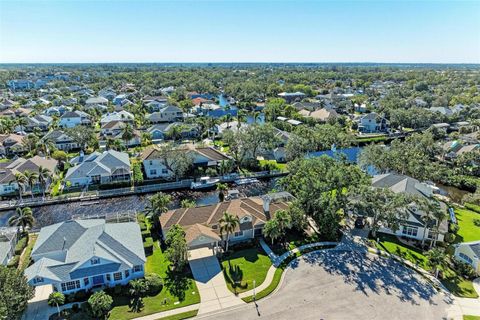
(148, 246)
(473, 207)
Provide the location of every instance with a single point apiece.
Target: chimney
(266, 204)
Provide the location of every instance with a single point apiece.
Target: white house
(86, 254)
(166, 114)
(154, 163)
(123, 116)
(96, 100)
(372, 123)
(414, 226)
(469, 252)
(99, 168)
(74, 118)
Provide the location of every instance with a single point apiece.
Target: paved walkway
(211, 284)
(168, 313)
(38, 308)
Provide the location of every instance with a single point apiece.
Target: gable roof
(76, 242)
(103, 164)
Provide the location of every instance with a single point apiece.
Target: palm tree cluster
(30, 179)
(23, 218)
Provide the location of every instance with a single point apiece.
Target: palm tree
(22, 122)
(46, 146)
(44, 176)
(127, 134)
(439, 215)
(23, 217)
(56, 299)
(138, 288)
(157, 205)
(228, 224)
(21, 181)
(32, 178)
(241, 116)
(271, 230)
(221, 187)
(436, 260)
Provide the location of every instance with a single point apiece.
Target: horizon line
(243, 62)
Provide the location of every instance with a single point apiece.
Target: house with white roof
(96, 100)
(86, 254)
(99, 168)
(74, 118)
(372, 123)
(123, 116)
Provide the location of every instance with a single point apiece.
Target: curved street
(347, 285)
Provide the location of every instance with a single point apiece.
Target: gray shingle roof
(76, 242)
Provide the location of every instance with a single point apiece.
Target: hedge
(148, 246)
(146, 234)
(143, 226)
(21, 244)
(13, 263)
(473, 207)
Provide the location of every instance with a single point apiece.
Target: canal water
(48, 215)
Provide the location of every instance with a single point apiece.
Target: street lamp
(253, 290)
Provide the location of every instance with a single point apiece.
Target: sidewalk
(160, 315)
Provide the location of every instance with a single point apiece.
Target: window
(117, 276)
(86, 281)
(94, 261)
(239, 234)
(465, 257)
(153, 171)
(71, 285)
(109, 277)
(164, 171)
(137, 268)
(127, 273)
(410, 231)
(38, 280)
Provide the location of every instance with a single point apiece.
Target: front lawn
(467, 231)
(392, 245)
(471, 318)
(456, 284)
(293, 239)
(179, 290)
(241, 267)
(274, 164)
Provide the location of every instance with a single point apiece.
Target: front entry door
(97, 280)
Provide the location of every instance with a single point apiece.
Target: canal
(47, 215)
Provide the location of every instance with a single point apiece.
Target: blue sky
(234, 31)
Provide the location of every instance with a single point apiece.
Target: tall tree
(436, 259)
(127, 134)
(56, 299)
(271, 230)
(100, 304)
(14, 294)
(228, 224)
(32, 178)
(21, 181)
(177, 251)
(44, 176)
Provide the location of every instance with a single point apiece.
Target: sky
(46, 31)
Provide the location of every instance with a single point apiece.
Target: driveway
(347, 285)
(38, 308)
(208, 275)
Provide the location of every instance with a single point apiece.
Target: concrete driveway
(208, 275)
(38, 308)
(347, 285)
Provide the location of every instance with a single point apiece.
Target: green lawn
(471, 318)
(293, 239)
(279, 166)
(179, 290)
(25, 259)
(242, 267)
(391, 245)
(467, 231)
(454, 283)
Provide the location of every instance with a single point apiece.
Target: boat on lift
(204, 183)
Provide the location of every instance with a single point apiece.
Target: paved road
(346, 285)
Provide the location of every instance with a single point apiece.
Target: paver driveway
(213, 290)
(347, 285)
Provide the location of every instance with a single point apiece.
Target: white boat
(204, 183)
(243, 181)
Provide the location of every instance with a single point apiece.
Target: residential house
(62, 140)
(9, 169)
(56, 110)
(292, 96)
(72, 119)
(86, 254)
(154, 162)
(40, 121)
(112, 128)
(11, 144)
(163, 131)
(469, 252)
(123, 116)
(8, 241)
(99, 168)
(107, 93)
(322, 115)
(414, 226)
(443, 110)
(372, 123)
(96, 100)
(166, 114)
(201, 224)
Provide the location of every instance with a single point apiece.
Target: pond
(454, 193)
(48, 215)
